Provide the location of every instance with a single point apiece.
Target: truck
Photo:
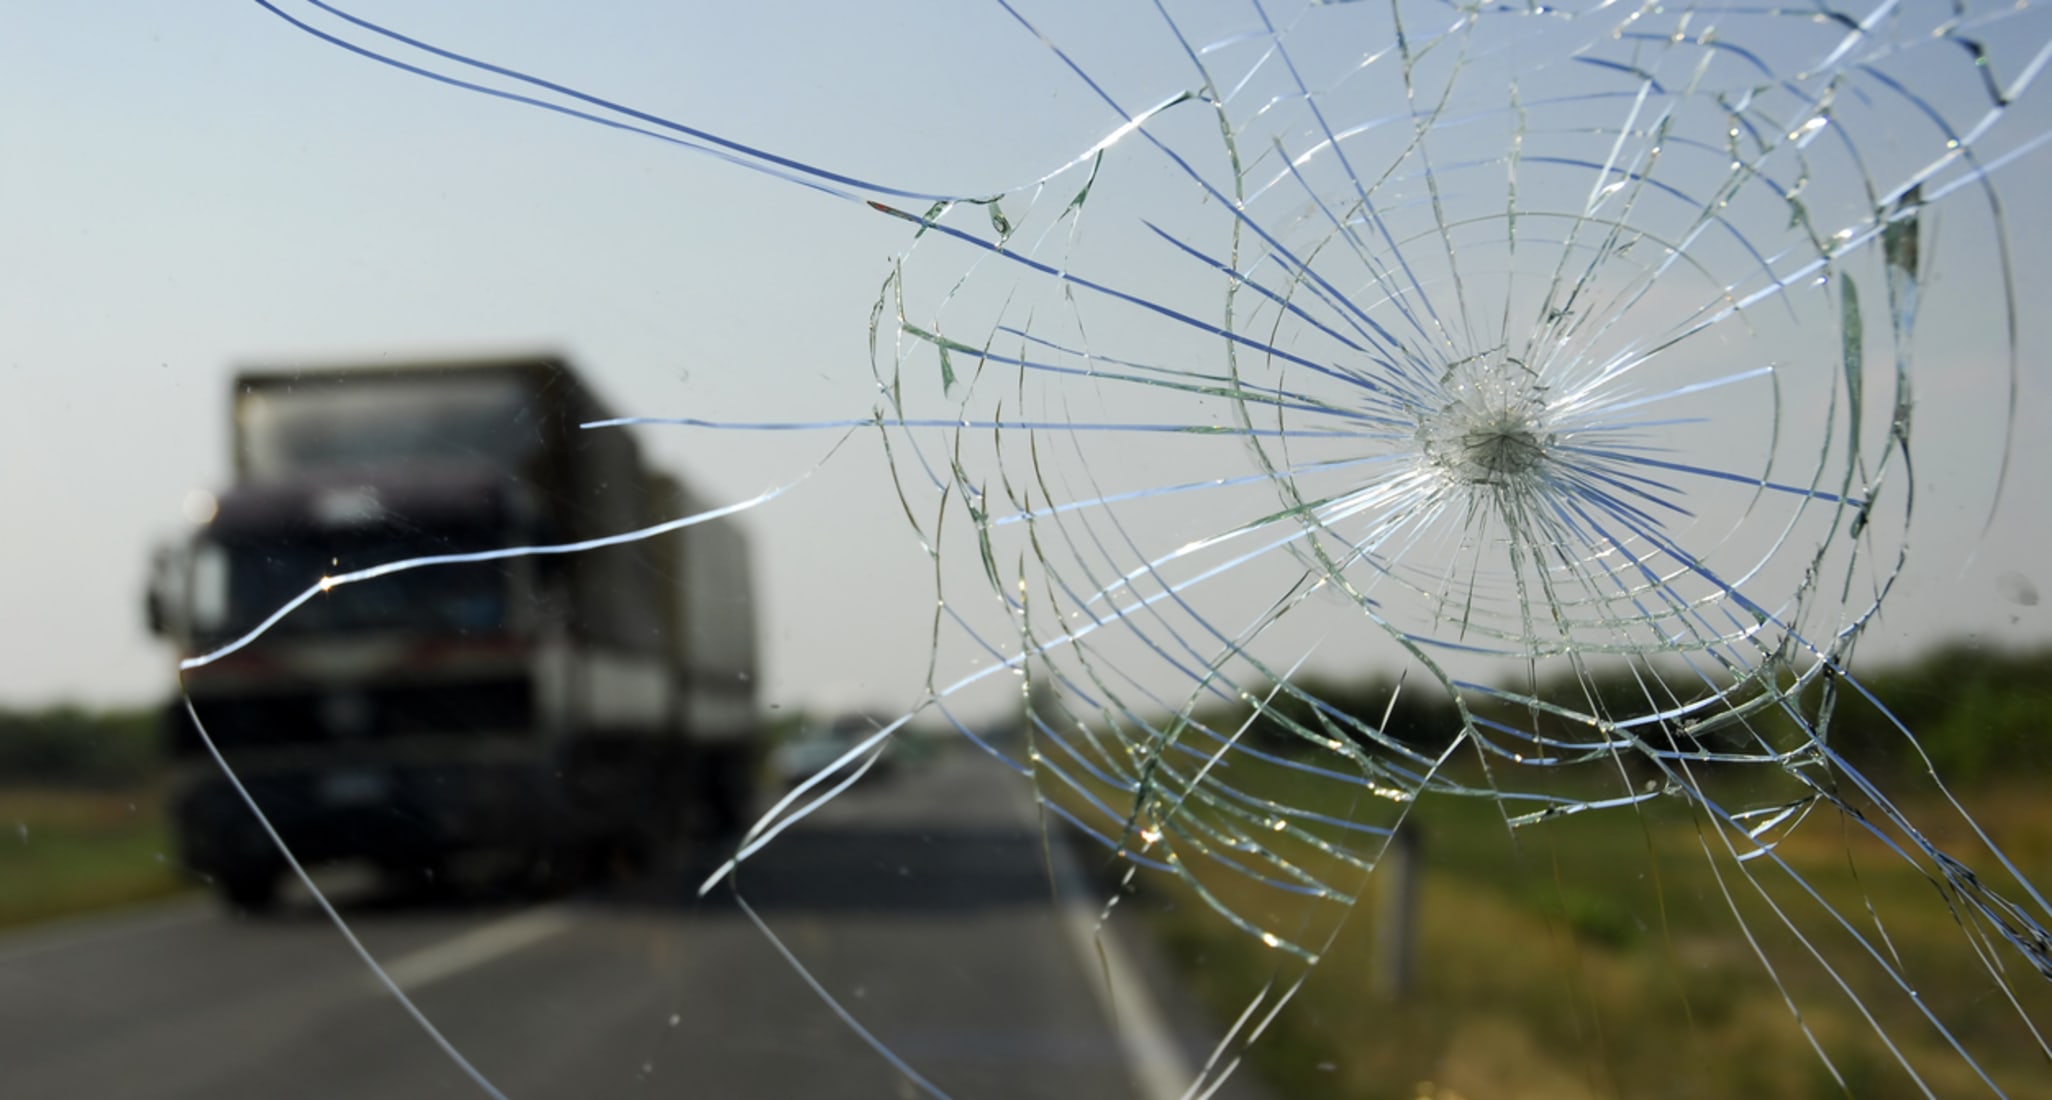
(548, 709)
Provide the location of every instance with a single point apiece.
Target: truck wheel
(427, 876)
(731, 797)
(555, 865)
(251, 890)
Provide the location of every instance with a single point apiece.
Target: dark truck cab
(543, 707)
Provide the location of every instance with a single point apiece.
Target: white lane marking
(99, 928)
(476, 947)
(1160, 1072)
(1158, 1067)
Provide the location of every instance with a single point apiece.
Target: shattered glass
(1559, 365)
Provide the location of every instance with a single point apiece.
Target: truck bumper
(395, 815)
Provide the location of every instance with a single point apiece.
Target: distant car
(816, 747)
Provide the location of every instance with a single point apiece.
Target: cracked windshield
(1011, 548)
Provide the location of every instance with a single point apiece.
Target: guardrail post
(1396, 915)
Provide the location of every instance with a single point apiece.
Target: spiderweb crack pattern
(1508, 345)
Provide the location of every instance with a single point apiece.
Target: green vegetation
(68, 746)
(1620, 952)
(1978, 714)
(72, 851)
(81, 813)
(1597, 956)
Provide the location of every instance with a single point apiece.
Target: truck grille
(358, 714)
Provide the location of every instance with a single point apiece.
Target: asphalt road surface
(920, 901)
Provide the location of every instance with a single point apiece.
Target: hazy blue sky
(202, 187)
(193, 188)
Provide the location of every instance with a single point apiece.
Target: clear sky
(189, 189)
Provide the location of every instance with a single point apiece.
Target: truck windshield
(284, 430)
(260, 577)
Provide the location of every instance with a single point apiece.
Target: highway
(919, 900)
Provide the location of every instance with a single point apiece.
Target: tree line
(1976, 713)
(72, 746)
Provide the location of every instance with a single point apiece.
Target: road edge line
(1157, 1065)
(425, 966)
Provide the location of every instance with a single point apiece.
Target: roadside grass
(1620, 953)
(64, 852)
